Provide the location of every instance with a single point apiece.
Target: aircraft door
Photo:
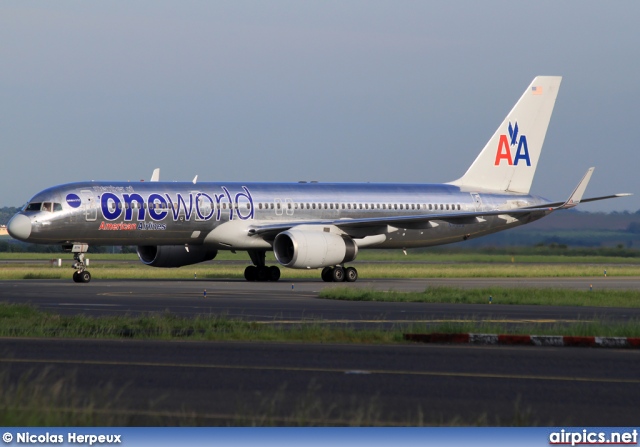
(477, 200)
(289, 207)
(279, 209)
(89, 205)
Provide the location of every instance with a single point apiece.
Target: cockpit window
(40, 206)
(34, 206)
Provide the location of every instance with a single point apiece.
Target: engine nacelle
(301, 249)
(174, 255)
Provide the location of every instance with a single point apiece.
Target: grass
(106, 270)
(499, 295)
(506, 256)
(19, 320)
(43, 399)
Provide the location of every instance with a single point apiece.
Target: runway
(284, 302)
(238, 383)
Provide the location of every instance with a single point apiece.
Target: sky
(334, 91)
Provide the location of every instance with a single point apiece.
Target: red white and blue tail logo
(512, 149)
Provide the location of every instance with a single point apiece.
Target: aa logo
(505, 146)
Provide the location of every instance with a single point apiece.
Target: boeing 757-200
(308, 225)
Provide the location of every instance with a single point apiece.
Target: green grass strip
(19, 320)
(106, 270)
(499, 295)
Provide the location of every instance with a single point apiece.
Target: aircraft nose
(19, 227)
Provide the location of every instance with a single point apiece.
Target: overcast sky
(384, 91)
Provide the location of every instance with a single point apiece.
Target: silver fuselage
(221, 215)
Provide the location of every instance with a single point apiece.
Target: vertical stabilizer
(508, 161)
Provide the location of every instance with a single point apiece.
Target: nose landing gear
(81, 275)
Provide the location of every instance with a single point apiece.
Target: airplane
(308, 225)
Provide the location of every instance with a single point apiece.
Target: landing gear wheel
(350, 274)
(274, 273)
(263, 273)
(82, 277)
(338, 274)
(327, 274)
(251, 273)
(85, 276)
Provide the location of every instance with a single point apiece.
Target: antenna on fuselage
(155, 177)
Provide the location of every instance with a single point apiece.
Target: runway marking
(324, 370)
(89, 304)
(311, 321)
(210, 292)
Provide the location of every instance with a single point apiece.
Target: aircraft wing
(422, 221)
(377, 225)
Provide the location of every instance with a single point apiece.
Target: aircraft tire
(263, 273)
(76, 276)
(350, 274)
(327, 274)
(251, 273)
(338, 274)
(274, 273)
(84, 276)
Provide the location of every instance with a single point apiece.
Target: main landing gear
(339, 274)
(259, 271)
(81, 274)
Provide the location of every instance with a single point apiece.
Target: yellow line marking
(312, 321)
(324, 370)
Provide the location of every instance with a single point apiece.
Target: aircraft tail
(508, 161)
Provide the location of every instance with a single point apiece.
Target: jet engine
(300, 249)
(174, 255)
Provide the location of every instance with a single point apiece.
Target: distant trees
(7, 213)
